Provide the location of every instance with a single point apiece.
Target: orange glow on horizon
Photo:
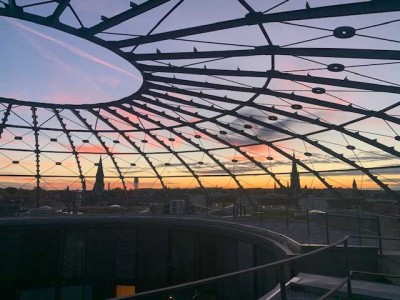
(225, 182)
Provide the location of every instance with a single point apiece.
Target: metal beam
(275, 74)
(5, 118)
(37, 154)
(62, 5)
(12, 7)
(165, 146)
(272, 109)
(215, 137)
(361, 8)
(74, 152)
(187, 140)
(106, 149)
(318, 122)
(103, 119)
(305, 139)
(292, 96)
(241, 133)
(270, 50)
(207, 175)
(124, 16)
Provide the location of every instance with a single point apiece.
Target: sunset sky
(45, 65)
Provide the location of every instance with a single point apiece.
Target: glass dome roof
(233, 92)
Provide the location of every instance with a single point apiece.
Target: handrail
(335, 289)
(231, 274)
(373, 237)
(348, 279)
(280, 263)
(389, 216)
(379, 238)
(375, 274)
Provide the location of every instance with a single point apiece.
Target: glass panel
(38, 294)
(76, 292)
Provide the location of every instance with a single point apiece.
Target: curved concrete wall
(87, 257)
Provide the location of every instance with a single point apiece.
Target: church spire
(355, 187)
(294, 178)
(99, 184)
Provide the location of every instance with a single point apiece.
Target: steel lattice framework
(212, 105)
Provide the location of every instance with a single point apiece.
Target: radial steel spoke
(272, 50)
(126, 15)
(366, 7)
(292, 96)
(276, 74)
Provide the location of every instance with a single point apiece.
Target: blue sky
(41, 64)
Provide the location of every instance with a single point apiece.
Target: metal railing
(318, 227)
(347, 280)
(324, 227)
(282, 264)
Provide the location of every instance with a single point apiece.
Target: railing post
(359, 226)
(208, 205)
(287, 217)
(282, 283)
(261, 216)
(347, 265)
(379, 234)
(327, 227)
(308, 223)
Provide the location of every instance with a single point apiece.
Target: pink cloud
(90, 148)
(69, 98)
(179, 96)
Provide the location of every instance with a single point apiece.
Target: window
(125, 290)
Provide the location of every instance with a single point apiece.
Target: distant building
(99, 184)
(294, 178)
(136, 183)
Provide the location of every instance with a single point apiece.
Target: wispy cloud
(75, 50)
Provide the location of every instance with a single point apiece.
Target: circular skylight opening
(49, 66)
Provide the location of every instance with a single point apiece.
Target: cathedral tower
(294, 178)
(99, 184)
